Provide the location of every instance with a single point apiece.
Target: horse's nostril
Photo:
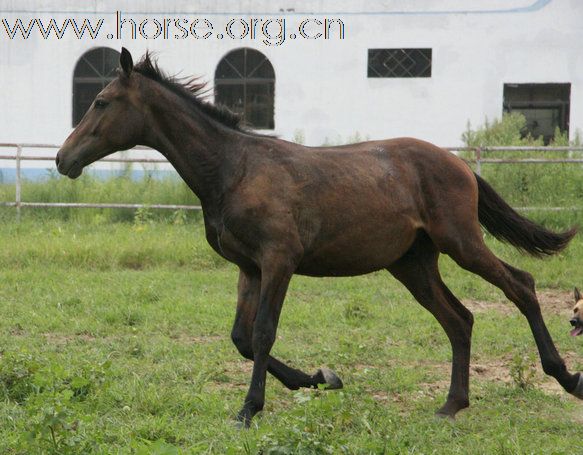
(573, 322)
(57, 160)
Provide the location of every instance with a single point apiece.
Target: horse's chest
(229, 246)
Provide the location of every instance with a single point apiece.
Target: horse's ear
(126, 62)
(577, 295)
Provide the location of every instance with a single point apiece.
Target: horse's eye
(101, 103)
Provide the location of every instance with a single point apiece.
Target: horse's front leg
(249, 290)
(276, 272)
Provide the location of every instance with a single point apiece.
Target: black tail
(504, 223)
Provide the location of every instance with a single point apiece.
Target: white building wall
(321, 87)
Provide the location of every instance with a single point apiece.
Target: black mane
(190, 90)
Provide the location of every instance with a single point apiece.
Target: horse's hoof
(578, 390)
(243, 420)
(332, 381)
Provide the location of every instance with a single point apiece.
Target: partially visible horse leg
(242, 336)
(276, 272)
(418, 271)
(277, 267)
(468, 249)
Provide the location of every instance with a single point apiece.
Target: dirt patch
(233, 374)
(556, 302)
(551, 301)
(499, 371)
(195, 339)
(482, 306)
(18, 331)
(494, 371)
(61, 338)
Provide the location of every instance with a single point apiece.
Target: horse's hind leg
(472, 254)
(242, 335)
(418, 271)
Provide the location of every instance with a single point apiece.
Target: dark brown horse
(275, 208)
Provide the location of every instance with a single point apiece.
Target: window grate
(399, 62)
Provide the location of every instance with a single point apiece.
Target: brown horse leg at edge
(275, 209)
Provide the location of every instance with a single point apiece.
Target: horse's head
(114, 122)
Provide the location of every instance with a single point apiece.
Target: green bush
(51, 395)
(536, 186)
(509, 130)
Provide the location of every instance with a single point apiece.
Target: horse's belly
(358, 253)
(321, 269)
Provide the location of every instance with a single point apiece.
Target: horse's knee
(528, 280)
(467, 317)
(525, 278)
(242, 343)
(554, 368)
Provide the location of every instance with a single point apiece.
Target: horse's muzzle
(71, 169)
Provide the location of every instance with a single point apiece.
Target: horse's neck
(200, 150)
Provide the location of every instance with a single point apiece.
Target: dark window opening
(245, 83)
(545, 106)
(94, 70)
(399, 63)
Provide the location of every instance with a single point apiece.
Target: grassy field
(114, 339)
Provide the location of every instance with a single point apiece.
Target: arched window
(94, 70)
(245, 83)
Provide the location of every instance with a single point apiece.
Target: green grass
(91, 189)
(115, 339)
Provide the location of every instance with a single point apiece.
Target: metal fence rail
(480, 152)
(479, 158)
